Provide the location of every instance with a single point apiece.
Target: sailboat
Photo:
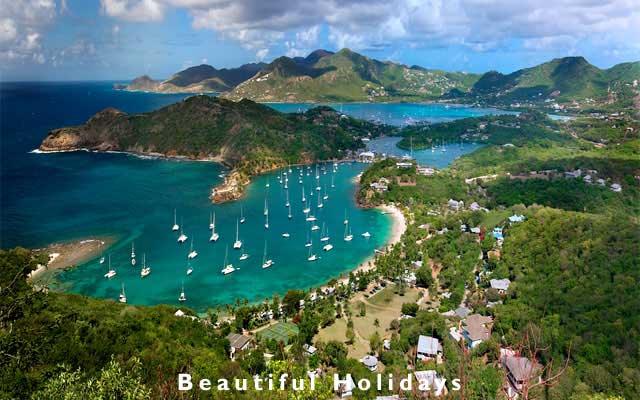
(315, 228)
(211, 223)
(310, 218)
(286, 235)
(324, 235)
(192, 254)
(366, 234)
(133, 255)
(332, 184)
(238, 243)
(123, 296)
(182, 297)
(175, 226)
(311, 257)
(228, 268)
(266, 221)
(287, 204)
(182, 238)
(308, 242)
(110, 272)
(289, 214)
(304, 199)
(320, 204)
(214, 236)
(266, 263)
(326, 196)
(327, 247)
(267, 184)
(306, 209)
(189, 269)
(242, 218)
(244, 256)
(443, 146)
(145, 271)
(347, 233)
(266, 207)
(102, 256)
(346, 220)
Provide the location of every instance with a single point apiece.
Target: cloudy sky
(120, 39)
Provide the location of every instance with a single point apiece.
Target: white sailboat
(308, 242)
(266, 207)
(175, 226)
(326, 196)
(211, 223)
(110, 272)
(182, 297)
(315, 228)
(346, 220)
(332, 184)
(228, 268)
(327, 247)
(347, 233)
(324, 235)
(189, 269)
(366, 234)
(133, 255)
(102, 256)
(238, 243)
(244, 256)
(286, 235)
(310, 218)
(312, 256)
(182, 238)
(242, 218)
(266, 221)
(214, 236)
(192, 254)
(287, 203)
(123, 296)
(443, 146)
(145, 271)
(289, 214)
(304, 198)
(266, 263)
(306, 209)
(320, 204)
(267, 184)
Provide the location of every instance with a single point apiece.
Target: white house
(476, 329)
(455, 205)
(501, 285)
(309, 349)
(371, 362)
(616, 187)
(428, 347)
(516, 218)
(427, 377)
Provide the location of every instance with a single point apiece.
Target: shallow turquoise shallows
(64, 196)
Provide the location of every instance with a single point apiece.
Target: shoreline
(63, 255)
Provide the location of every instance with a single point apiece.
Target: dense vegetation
(347, 76)
(245, 135)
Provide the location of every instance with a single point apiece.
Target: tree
(410, 309)
(424, 277)
(291, 301)
(350, 335)
(375, 342)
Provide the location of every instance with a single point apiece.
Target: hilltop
(562, 80)
(201, 78)
(248, 137)
(324, 76)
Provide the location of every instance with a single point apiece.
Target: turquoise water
(48, 198)
(400, 113)
(436, 158)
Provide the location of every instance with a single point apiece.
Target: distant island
(569, 83)
(248, 137)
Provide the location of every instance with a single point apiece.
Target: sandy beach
(66, 254)
(398, 227)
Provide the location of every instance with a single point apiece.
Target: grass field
(385, 306)
(281, 332)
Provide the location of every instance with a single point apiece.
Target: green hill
(347, 76)
(249, 137)
(562, 78)
(201, 78)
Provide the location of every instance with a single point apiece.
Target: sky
(122, 39)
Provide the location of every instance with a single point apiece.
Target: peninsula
(247, 137)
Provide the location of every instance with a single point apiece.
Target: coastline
(398, 228)
(63, 255)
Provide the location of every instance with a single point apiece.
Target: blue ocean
(48, 198)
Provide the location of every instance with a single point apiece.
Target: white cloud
(262, 54)
(134, 10)
(304, 42)
(21, 29)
